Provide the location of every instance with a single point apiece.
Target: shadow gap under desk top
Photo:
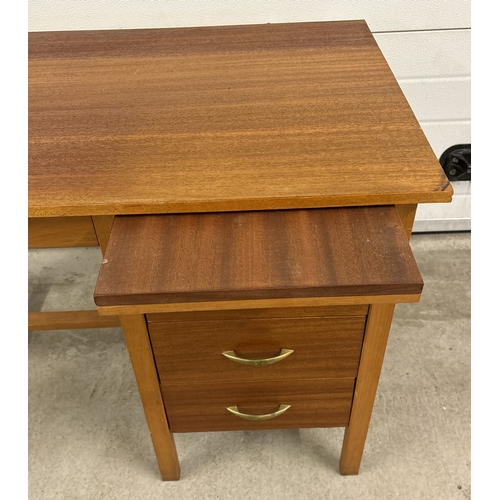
(229, 118)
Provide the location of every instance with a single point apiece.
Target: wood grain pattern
(221, 118)
(65, 320)
(314, 403)
(283, 312)
(192, 351)
(257, 255)
(139, 348)
(372, 356)
(61, 232)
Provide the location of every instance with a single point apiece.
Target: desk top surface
(225, 118)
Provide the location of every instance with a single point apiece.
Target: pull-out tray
(254, 256)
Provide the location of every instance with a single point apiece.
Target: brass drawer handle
(258, 362)
(234, 410)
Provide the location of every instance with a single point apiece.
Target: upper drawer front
(191, 351)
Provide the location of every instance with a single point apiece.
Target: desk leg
(372, 356)
(141, 356)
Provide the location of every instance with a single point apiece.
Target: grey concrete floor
(88, 437)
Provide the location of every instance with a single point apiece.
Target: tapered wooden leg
(372, 356)
(139, 347)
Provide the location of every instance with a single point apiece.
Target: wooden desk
(258, 320)
(260, 117)
(219, 119)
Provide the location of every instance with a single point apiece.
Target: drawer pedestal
(284, 328)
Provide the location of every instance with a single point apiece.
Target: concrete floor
(88, 437)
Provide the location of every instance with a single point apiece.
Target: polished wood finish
(284, 312)
(314, 403)
(331, 377)
(372, 356)
(141, 356)
(205, 119)
(192, 350)
(226, 119)
(257, 255)
(67, 320)
(61, 232)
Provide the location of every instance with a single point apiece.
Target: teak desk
(215, 119)
(258, 320)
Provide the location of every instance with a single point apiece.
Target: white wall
(426, 43)
(381, 15)
(433, 69)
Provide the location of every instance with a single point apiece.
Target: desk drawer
(313, 403)
(191, 351)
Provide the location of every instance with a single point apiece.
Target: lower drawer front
(313, 403)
